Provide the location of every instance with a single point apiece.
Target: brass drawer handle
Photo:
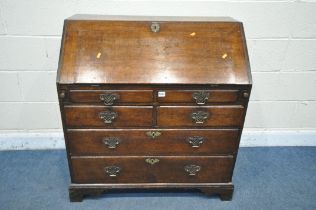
(200, 117)
(108, 116)
(112, 170)
(195, 141)
(109, 98)
(111, 142)
(200, 97)
(152, 161)
(192, 169)
(153, 134)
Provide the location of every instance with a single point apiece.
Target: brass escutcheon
(155, 27)
(151, 161)
(153, 134)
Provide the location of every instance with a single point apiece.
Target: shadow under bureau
(152, 102)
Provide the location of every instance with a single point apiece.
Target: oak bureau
(152, 102)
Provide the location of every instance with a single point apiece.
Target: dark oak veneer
(125, 96)
(171, 142)
(152, 102)
(168, 169)
(185, 96)
(88, 116)
(218, 115)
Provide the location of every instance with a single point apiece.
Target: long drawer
(152, 141)
(200, 116)
(100, 116)
(152, 169)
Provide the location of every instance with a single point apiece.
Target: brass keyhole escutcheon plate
(155, 27)
(153, 134)
(152, 161)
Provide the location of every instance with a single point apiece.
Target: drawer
(100, 116)
(152, 141)
(200, 97)
(200, 116)
(152, 169)
(110, 97)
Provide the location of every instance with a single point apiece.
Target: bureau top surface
(153, 50)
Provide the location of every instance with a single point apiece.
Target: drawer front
(99, 116)
(111, 97)
(200, 116)
(152, 142)
(152, 169)
(200, 97)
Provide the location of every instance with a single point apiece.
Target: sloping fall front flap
(122, 51)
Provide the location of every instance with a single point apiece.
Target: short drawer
(200, 116)
(154, 169)
(152, 141)
(100, 116)
(200, 97)
(111, 97)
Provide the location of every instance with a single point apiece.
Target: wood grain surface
(137, 170)
(128, 52)
(137, 142)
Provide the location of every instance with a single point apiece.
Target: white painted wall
(281, 37)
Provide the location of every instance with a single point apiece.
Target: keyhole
(155, 27)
